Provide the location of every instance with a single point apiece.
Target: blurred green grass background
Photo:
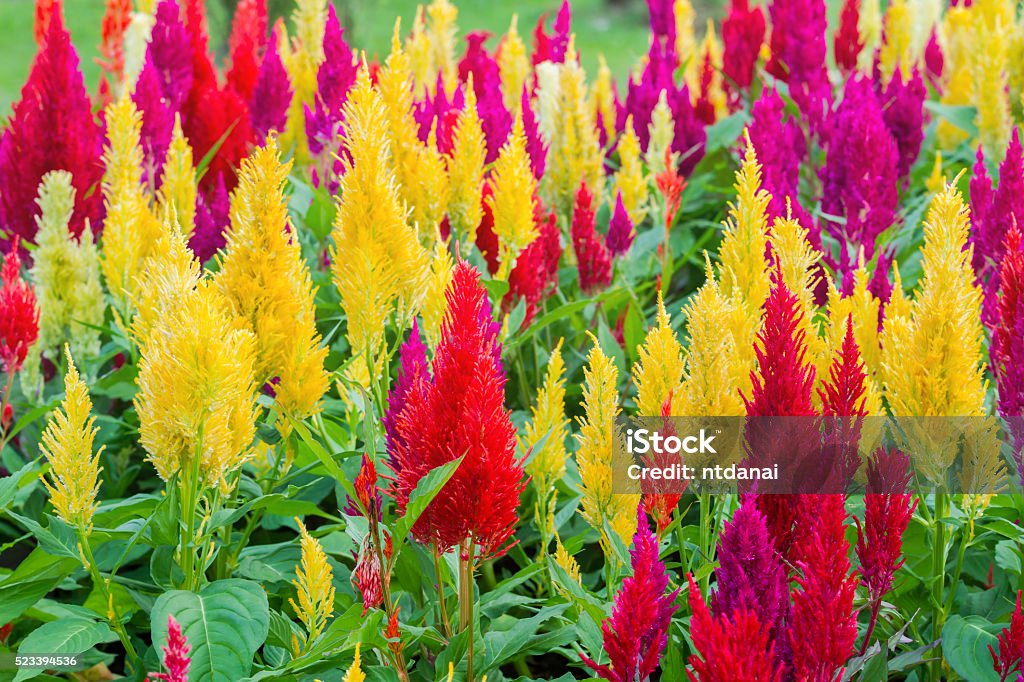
(615, 28)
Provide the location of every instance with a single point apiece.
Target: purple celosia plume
(157, 121)
(860, 174)
(620, 229)
(636, 634)
(662, 15)
(903, 112)
(51, 128)
(272, 93)
(212, 218)
(798, 53)
(334, 78)
(413, 366)
(642, 94)
(439, 109)
(495, 119)
(170, 49)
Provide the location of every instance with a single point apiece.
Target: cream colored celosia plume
(266, 281)
(513, 65)
(67, 445)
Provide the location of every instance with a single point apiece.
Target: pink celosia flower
(335, 77)
(535, 146)
(1007, 661)
(593, 261)
(170, 53)
(729, 647)
(742, 36)
(552, 48)
(461, 413)
(366, 577)
(1006, 350)
(157, 121)
(19, 314)
(798, 53)
(176, 659)
(903, 112)
(620, 229)
(51, 127)
(271, 93)
(847, 42)
(495, 119)
(636, 634)
(823, 597)
(934, 61)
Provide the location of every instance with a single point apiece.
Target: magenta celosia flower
(176, 659)
(662, 15)
(798, 54)
(995, 208)
(157, 122)
(933, 60)
(593, 261)
(171, 54)
(750, 574)
(536, 271)
(847, 42)
(1006, 351)
(495, 119)
(1008, 660)
(335, 77)
(822, 601)
(51, 128)
(903, 112)
(552, 48)
(19, 314)
(212, 218)
(642, 94)
(742, 36)
(860, 174)
(690, 135)
(246, 45)
(441, 110)
(413, 375)
(461, 413)
(620, 229)
(271, 94)
(729, 647)
(535, 146)
(637, 632)
(842, 403)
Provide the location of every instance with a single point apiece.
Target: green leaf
(426, 490)
(1008, 557)
(965, 643)
(9, 485)
(62, 636)
(960, 116)
(225, 623)
(723, 134)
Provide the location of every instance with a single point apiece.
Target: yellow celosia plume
(178, 181)
(267, 283)
(466, 170)
(67, 445)
(314, 587)
(869, 27)
(378, 265)
(659, 367)
(302, 62)
(441, 28)
(355, 672)
(549, 424)
(603, 95)
(167, 278)
(442, 265)
(630, 181)
(417, 46)
(511, 201)
(897, 48)
(597, 452)
(686, 38)
(513, 65)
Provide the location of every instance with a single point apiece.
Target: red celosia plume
(1007, 662)
(19, 314)
(246, 44)
(592, 258)
(176, 659)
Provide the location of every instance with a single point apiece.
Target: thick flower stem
(446, 623)
(113, 617)
(876, 604)
(466, 595)
(939, 574)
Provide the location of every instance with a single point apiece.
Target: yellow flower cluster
(512, 201)
(659, 367)
(314, 586)
(302, 61)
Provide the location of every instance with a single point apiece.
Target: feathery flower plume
(1008, 660)
(620, 229)
(931, 352)
(178, 181)
(19, 313)
(444, 419)
(798, 54)
(994, 209)
(355, 672)
(597, 451)
(413, 375)
(742, 37)
(466, 171)
(592, 258)
(636, 634)
(45, 11)
(212, 219)
(823, 597)
(994, 117)
(902, 103)
(67, 444)
(116, 20)
(535, 144)
(271, 92)
(1005, 350)
(157, 122)
(513, 64)
(659, 366)
(781, 148)
(334, 78)
(66, 275)
(548, 423)
(313, 586)
(553, 47)
(896, 52)
(495, 118)
(197, 391)
(51, 128)
(441, 31)
(604, 102)
(708, 93)
(729, 647)
(267, 283)
(630, 183)
(536, 270)
(175, 659)
(302, 62)
(511, 202)
(246, 45)
(378, 264)
(432, 311)
(171, 55)
(847, 43)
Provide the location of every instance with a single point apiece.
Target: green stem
(705, 540)
(939, 574)
(190, 500)
(113, 617)
(466, 601)
(446, 623)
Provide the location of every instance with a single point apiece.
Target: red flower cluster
(636, 634)
(1008, 660)
(460, 412)
(246, 45)
(176, 659)
(592, 258)
(19, 315)
(535, 274)
(847, 43)
(742, 36)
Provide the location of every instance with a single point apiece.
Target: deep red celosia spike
(367, 577)
(660, 498)
(19, 314)
(486, 237)
(1007, 661)
(742, 36)
(176, 659)
(729, 648)
(887, 512)
(637, 632)
(246, 45)
(536, 271)
(462, 414)
(592, 258)
(704, 107)
(847, 43)
(220, 116)
(842, 394)
(51, 128)
(1007, 354)
(822, 601)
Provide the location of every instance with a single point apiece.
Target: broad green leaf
(225, 623)
(965, 643)
(62, 636)
(426, 490)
